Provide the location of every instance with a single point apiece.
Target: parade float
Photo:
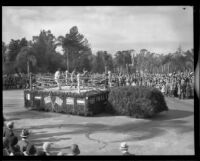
(82, 100)
(96, 96)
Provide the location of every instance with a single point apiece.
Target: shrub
(139, 102)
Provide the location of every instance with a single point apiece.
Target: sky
(159, 29)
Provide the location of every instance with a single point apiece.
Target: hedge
(138, 101)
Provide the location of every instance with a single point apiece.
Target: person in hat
(30, 150)
(124, 148)
(13, 147)
(24, 142)
(74, 150)
(57, 78)
(8, 130)
(47, 148)
(5, 146)
(60, 154)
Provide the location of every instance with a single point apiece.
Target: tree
(189, 60)
(98, 63)
(74, 45)
(14, 47)
(44, 47)
(83, 61)
(118, 59)
(25, 58)
(4, 48)
(123, 59)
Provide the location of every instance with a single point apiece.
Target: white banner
(47, 99)
(28, 96)
(70, 101)
(38, 97)
(80, 101)
(59, 101)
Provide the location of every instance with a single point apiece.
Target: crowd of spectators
(179, 85)
(22, 145)
(14, 145)
(15, 81)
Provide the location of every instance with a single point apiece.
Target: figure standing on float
(73, 78)
(67, 77)
(57, 78)
(109, 79)
(84, 77)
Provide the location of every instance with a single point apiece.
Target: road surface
(169, 133)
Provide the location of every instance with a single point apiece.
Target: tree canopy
(41, 53)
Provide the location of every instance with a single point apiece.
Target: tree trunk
(28, 68)
(67, 60)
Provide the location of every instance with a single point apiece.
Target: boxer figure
(57, 78)
(73, 78)
(67, 77)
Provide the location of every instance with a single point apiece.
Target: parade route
(169, 133)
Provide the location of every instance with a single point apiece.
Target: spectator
(30, 150)
(74, 150)
(60, 154)
(187, 91)
(163, 89)
(124, 149)
(24, 142)
(171, 89)
(191, 89)
(179, 91)
(175, 90)
(13, 147)
(5, 146)
(47, 148)
(168, 88)
(8, 130)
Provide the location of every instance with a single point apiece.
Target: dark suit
(7, 132)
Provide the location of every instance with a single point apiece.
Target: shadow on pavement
(172, 114)
(136, 131)
(154, 127)
(167, 115)
(29, 114)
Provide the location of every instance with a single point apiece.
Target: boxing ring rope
(44, 82)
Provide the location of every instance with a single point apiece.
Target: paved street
(169, 133)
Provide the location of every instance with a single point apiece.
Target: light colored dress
(163, 89)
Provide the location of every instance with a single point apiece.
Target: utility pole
(67, 60)
(67, 56)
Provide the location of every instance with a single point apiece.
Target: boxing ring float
(86, 96)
